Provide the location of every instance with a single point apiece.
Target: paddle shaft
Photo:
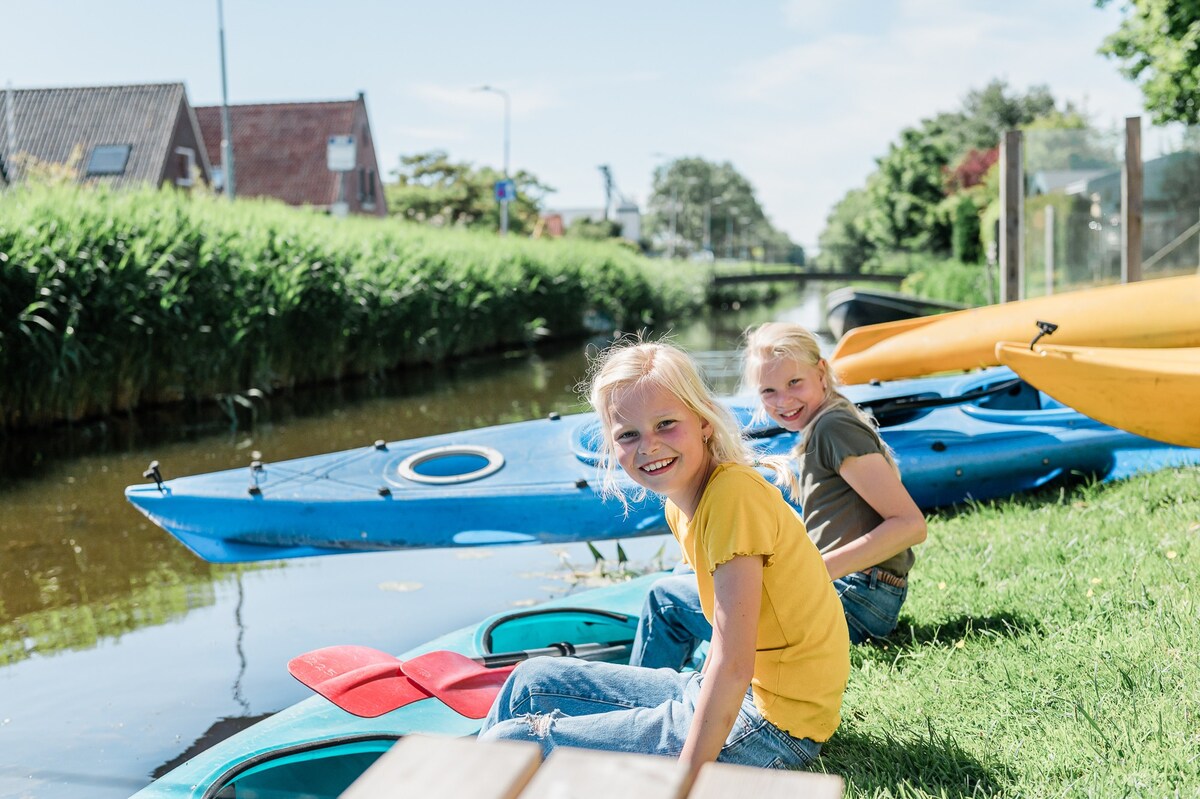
(597, 651)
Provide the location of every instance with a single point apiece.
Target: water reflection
(119, 648)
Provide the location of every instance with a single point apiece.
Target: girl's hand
(903, 524)
(737, 587)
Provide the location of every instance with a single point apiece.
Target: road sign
(506, 190)
(341, 155)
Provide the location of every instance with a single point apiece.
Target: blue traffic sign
(506, 190)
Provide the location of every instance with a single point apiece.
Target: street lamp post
(674, 216)
(507, 117)
(708, 242)
(226, 127)
(730, 213)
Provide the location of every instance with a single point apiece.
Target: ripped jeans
(568, 702)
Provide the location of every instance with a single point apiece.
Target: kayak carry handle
(1045, 329)
(153, 472)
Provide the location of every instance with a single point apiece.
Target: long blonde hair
(774, 341)
(632, 363)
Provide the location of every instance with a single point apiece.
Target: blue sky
(800, 95)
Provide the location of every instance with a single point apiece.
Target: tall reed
(110, 300)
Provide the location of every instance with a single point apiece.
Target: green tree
(844, 243)
(965, 230)
(906, 207)
(584, 228)
(988, 112)
(1158, 44)
(1067, 140)
(905, 190)
(432, 189)
(715, 205)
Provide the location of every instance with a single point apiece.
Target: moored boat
(1151, 392)
(1151, 313)
(974, 436)
(849, 307)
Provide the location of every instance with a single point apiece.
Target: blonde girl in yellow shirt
(771, 689)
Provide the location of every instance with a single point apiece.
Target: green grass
(1050, 646)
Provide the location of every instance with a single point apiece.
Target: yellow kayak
(1153, 313)
(1151, 392)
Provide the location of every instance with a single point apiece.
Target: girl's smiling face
(661, 443)
(791, 392)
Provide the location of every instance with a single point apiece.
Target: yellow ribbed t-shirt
(802, 660)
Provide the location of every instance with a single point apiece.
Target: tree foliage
(911, 203)
(905, 190)
(713, 207)
(1158, 44)
(432, 189)
(844, 243)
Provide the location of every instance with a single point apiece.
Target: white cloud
(817, 112)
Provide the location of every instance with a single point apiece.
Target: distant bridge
(800, 276)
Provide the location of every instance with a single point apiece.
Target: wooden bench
(463, 768)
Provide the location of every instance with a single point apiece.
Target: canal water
(121, 653)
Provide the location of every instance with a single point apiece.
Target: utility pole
(10, 177)
(507, 117)
(674, 221)
(608, 188)
(226, 128)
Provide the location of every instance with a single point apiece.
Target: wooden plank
(721, 780)
(1131, 203)
(586, 774)
(424, 765)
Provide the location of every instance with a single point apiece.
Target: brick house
(279, 150)
(122, 135)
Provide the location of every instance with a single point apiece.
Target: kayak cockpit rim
(325, 748)
(450, 465)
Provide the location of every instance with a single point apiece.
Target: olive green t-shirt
(802, 658)
(834, 513)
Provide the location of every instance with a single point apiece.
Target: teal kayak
(316, 748)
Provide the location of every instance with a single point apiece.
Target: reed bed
(111, 300)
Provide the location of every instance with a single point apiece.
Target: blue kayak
(316, 748)
(974, 436)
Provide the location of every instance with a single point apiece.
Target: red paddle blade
(358, 679)
(466, 687)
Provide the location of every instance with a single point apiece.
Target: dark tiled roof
(53, 125)
(279, 149)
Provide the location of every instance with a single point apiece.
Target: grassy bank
(1050, 646)
(110, 300)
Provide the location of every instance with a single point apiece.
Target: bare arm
(737, 586)
(903, 523)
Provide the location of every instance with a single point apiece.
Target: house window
(185, 162)
(218, 177)
(369, 202)
(362, 185)
(108, 159)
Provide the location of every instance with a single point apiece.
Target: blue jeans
(568, 702)
(673, 625)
